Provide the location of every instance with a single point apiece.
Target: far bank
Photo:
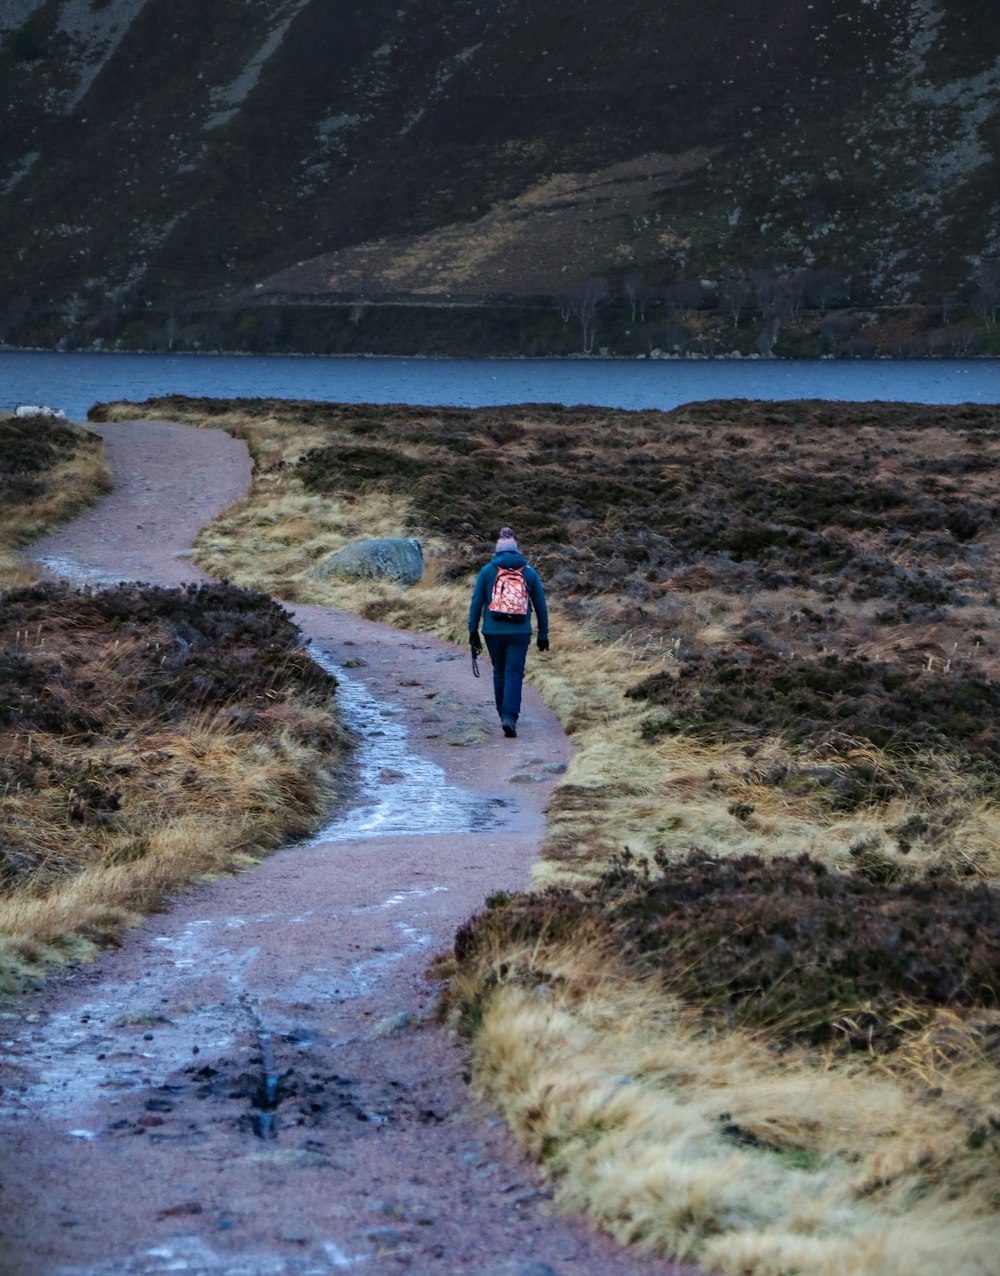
(702, 325)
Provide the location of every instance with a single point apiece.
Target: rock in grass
(394, 557)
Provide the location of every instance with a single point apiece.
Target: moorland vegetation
(750, 1012)
(49, 471)
(148, 736)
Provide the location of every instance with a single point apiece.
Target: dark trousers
(508, 653)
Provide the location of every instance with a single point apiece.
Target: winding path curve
(140, 1132)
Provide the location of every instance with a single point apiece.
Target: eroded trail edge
(253, 1084)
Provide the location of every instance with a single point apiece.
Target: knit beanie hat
(506, 540)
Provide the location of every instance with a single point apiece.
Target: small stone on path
(515, 1267)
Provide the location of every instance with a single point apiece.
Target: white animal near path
(39, 409)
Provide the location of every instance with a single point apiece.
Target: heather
(812, 956)
(49, 471)
(748, 1011)
(148, 736)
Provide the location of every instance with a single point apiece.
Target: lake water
(74, 382)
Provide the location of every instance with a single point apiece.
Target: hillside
(304, 175)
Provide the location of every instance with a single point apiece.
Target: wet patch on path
(399, 790)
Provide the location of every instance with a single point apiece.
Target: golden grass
(643, 796)
(864, 1166)
(195, 801)
(70, 486)
(710, 1147)
(15, 573)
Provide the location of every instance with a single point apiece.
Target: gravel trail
(252, 1084)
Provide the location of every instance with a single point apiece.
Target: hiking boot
(509, 725)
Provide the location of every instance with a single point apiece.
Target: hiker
(506, 589)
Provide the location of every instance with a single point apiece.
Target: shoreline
(729, 357)
(76, 381)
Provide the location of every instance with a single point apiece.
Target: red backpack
(509, 599)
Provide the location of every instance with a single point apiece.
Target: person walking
(505, 593)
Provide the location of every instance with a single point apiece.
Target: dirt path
(251, 1085)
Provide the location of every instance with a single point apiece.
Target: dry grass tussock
(711, 1147)
(14, 572)
(49, 471)
(773, 637)
(148, 737)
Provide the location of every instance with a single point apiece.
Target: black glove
(474, 642)
(543, 644)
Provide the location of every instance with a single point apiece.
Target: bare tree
(795, 290)
(687, 295)
(710, 336)
(955, 340)
(963, 337)
(986, 301)
(670, 334)
(897, 339)
(74, 308)
(861, 345)
(826, 288)
(735, 296)
(172, 327)
(769, 285)
(106, 323)
(634, 288)
(837, 329)
(580, 302)
(767, 335)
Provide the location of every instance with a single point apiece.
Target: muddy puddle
(398, 791)
(63, 568)
(202, 995)
(138, 1043)
(202, 992)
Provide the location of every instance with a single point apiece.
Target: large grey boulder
(396, 557)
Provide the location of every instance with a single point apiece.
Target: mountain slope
(166, 156)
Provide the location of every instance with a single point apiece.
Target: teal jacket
(479, 615)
